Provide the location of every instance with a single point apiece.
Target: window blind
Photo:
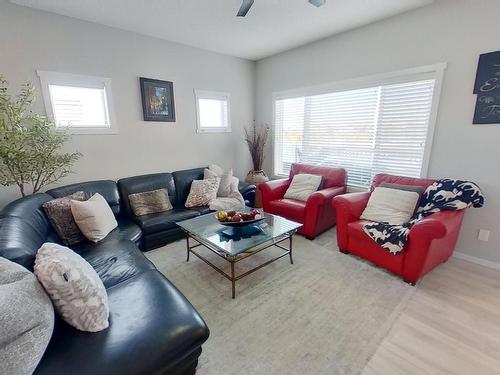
(379, 129)
(79, 106)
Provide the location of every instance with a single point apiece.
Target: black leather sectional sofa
(153, 327)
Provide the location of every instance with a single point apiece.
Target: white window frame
(66, 79)
(365, 82)
(218, 95)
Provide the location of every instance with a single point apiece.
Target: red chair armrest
(322, 196)
(431, 227)
(273, 190)
(351, 205)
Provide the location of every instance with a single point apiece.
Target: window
(80, 103)
(368, 126)
(212, 111)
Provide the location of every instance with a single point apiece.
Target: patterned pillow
(59, 214)
(202, 192)
(150, 202)
(226, 181)
(76, 290)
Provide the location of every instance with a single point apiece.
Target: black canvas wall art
(487, 88)
(157, 100)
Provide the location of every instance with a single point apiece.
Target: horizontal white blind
(79, 106)
(381, 129)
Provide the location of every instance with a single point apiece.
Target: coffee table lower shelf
(237, 258)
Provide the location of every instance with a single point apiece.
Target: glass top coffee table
(235, 244)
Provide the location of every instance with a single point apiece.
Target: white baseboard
(476, 260)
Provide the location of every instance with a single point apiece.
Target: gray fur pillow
(150, 202)
(76, 290)
(26, 319)
(59, 213)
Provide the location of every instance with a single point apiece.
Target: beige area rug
(325, 314)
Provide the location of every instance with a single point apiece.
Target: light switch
(484, 235)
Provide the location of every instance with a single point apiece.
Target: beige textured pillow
(74, 287)
(202, 192)
(391, 206)
(302, 186)
(94, 217)
(150, 202)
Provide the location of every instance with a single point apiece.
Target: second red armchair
(317, 213)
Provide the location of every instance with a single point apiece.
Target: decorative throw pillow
(226, 181)
(26, 319)
(73, 285)
(202, 192)
(150, 202)
(391, 206)
(216, 169)
(59, 214)
(302, 186)
(417, 189)
(94, 217)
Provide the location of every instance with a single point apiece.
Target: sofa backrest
(148, 182)
(107, 188)
(400, 180)
(24, 228)
(332, 177)
(183, 180)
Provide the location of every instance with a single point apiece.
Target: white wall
(452, 31)
(31, 40)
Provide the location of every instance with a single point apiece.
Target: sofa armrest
(273, 190)
(248, 192)
(325, 196)
(431, 227)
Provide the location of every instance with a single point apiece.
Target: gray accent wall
(452, 31)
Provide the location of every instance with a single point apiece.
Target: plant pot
(256, 177)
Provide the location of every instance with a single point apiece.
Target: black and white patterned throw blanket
(443, 194)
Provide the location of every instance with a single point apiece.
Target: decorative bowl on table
(238, 219)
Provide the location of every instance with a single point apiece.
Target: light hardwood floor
(450, 326)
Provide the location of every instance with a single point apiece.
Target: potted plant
(29, 143)
(256, 138)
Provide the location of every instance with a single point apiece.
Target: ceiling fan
(247, 4)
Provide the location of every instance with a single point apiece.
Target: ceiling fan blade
(317, 3)
(245, 7)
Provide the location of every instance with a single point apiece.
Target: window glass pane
(212, 113)
(380, 129)
(79, 106)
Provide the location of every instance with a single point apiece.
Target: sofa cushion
(24, 336)
(107, 188)
(19, 240)
(331, 176)
(302, 186)
(202, 192)
(114, 260)
(30, 209)
(164, 220)
(183, 180)
(391, 206)
(152, 329)
(289, 208)
(126, 230)
(148, 182)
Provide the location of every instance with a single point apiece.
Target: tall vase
(256, 177)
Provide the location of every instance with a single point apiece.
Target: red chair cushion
(289, 208)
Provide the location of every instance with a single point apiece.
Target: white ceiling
(270, 27)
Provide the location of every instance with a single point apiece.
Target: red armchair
(430, 243)
(317, 214)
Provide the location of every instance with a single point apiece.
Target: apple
(236, 218)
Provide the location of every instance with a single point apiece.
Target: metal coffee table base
(235, 259)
